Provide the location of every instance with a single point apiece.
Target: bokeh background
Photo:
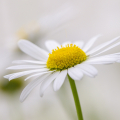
(60, 20)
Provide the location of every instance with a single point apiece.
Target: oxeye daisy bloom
(72, 59)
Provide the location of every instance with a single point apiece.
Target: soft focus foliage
(11, 86)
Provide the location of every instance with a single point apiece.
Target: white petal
(79, 44)
(88, 69)
(18, 67)
(106, 59)
(47, 82)
(75, 73)
(29, 61)
(51, 44)
(36, 75)
(65, 43)
(108, 48)
(102, 46)
(33, 50)
(30, 87)
(59, 80)
(90, 43)
(20, 74)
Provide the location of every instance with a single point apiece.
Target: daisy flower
(72, 59)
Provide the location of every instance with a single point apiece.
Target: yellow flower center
(65, 57)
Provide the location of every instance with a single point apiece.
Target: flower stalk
(76, 98)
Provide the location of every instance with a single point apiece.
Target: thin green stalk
(76, 98)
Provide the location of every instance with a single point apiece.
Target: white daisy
(74, 59)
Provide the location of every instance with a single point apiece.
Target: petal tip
(21, 100)
(5, 77)
(8, 68)
(54, 88)
(21, 41)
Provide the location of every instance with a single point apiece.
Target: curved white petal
(59, 80)
(102, 46)
(90, 43)
(51, 44)
(33, 50)
(65, 43)
(30, 87)
(37, 75)
(75, 73)
(47, 82)
(87, 69)
(18, 67)
(29, 61)
(20, 74)
(106, 59)
(79, 44)
(108, 48)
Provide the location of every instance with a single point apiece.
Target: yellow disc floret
(65, 57)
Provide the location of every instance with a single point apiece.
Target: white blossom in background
(49, 23)
(31, 31)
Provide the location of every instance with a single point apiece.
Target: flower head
(74, 59)
(65, 57)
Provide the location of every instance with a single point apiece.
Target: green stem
(76, 98)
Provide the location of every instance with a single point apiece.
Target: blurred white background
(63, 20)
